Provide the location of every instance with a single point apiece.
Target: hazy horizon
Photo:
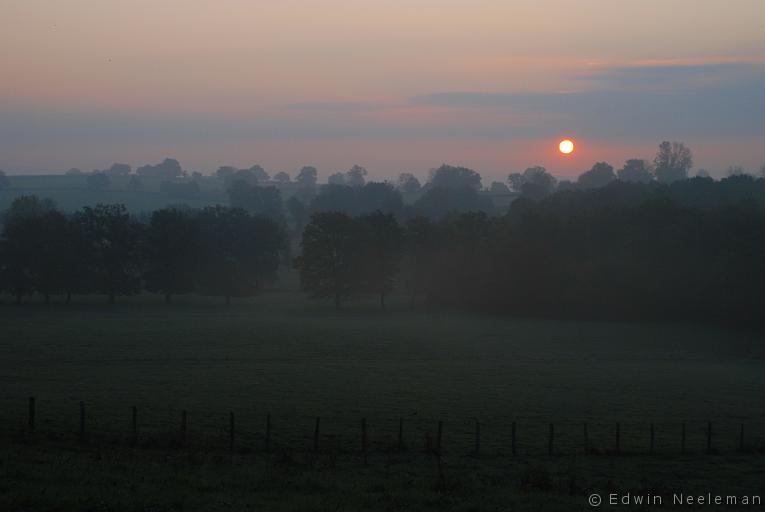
(400, 87)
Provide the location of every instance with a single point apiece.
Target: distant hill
(71, 192)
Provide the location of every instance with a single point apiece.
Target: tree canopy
(672, 162)
(452, 177)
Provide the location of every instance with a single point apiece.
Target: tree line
(453, 189)
(693, 250)
(448, 189)
(105, 250)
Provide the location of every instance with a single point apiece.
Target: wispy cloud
(336, 106)
(643, 102)
(700, 99)
(674, 75)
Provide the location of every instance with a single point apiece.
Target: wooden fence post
(477, 437)
(650, 449)
(316, 435)
(400, 434)
(618, 439)
(135, 425)
(512, 445)
(82, 421)
(682, 439)
(551, 440)
(231, 431)
(364, 438)
(31, 416)
(268, 431)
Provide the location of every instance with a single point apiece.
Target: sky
(395, 86)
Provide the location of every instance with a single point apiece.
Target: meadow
(295, 359)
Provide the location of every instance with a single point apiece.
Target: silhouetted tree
(168, 169)
(337, 178)
(260, 174)
(226, 173)
(282, 178)
(255, 199)
(244, 176)
(673, 161)
(461, 260)
(172, 249)
(338, 198)
(533, 183)
(28, 206)
(440, 201)
(358, 200)
(74, 171)
(635, 171)
(239, 251)
(21, 245)
(421, 240)
(115, 243)
(736, 170)
(118, 170)
(305, 182)
(600, 175)
(356, 176)
(497, 187)
(74, 259)
(16, 251)
(448, 176)
(53, 258)
(382, 238)
(269, 245)
(329, 261)
(375, 196)
(625, 250)
(408, 183)
(306, 177)
(42, 250)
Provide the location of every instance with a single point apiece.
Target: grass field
(107, 479)
(298, 359)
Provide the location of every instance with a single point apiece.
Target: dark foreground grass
(283, 355)
(35, 477)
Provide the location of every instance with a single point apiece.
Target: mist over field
(479, 256)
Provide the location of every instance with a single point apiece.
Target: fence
(342, 433)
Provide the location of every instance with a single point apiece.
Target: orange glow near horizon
(566, 146)
(393, 86)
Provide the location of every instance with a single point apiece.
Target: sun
(566, 146)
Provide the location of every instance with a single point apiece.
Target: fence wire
(341, 431)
